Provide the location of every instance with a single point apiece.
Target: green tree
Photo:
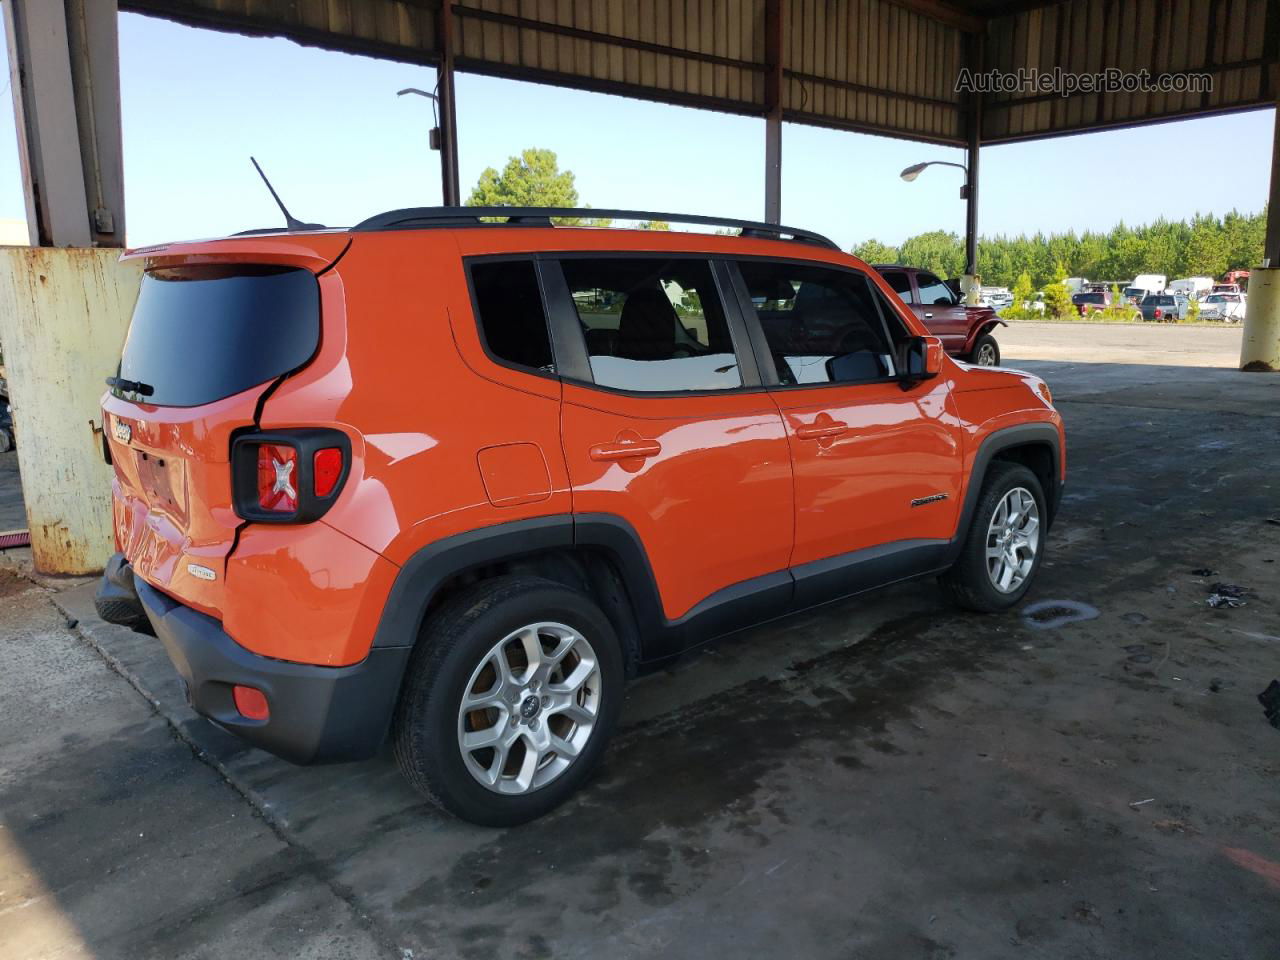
(1057, 297)
(1020, 309)
(654, 225)
(937, 251)
(533, 179)
(873, 251)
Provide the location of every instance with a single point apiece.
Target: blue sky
(340, 146)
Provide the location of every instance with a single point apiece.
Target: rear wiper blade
(130, 386)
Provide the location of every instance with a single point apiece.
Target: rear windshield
(1161, 301)
(203, 333)
(1088, 298)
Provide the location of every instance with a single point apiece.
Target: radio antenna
(290, 220)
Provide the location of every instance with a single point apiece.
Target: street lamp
(970, 284)
(913, 171)
(434, 136)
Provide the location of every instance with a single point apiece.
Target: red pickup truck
(965, 332)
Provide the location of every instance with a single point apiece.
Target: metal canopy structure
(877, 66)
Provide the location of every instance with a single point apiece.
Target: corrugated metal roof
(883, 66)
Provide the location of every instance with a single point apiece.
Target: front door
(938, 307)
(668, 426)
(877, 467)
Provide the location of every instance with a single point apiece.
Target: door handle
(625, 449)
(819, 431)
(928, 316)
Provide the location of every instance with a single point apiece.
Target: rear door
(666, 425)
(206, 342)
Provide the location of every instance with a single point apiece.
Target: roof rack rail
(418, 218)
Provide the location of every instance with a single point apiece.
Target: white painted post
(63, 317)
(1260, 345)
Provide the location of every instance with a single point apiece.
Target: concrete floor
(885, 778)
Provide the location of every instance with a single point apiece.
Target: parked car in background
(6, 417)
(1150, 282)
(997, 298)
(1239, 277)
(1164, 307)
(1229, 307)
(965, 332)
(1135, 295)
(1192, 287)
(1091, 300)
(1233, 288)
(1076, 284)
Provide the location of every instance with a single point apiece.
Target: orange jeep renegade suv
(453, 481)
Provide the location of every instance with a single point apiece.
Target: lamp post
(970, 283)
(448, 159)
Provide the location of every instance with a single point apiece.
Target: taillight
(1159, 313)
(277, 478)
(288, 476)
(327, 470)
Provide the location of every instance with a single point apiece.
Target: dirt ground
(883, 778)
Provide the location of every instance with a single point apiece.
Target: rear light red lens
(1159, 313)
(277, 478)
(326, 470)
(251, 702)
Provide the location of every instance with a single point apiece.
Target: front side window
(821, 325)
(653, 324)
(508, 305)
(933, 292)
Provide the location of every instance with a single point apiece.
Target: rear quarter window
(200, 334)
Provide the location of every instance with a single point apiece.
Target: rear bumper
(317, 714)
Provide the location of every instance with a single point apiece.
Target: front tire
(1005, 542)
(510, 698)
(986, 352)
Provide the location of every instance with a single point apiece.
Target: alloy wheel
(1013, 540)
(529, 708)
(986, 355)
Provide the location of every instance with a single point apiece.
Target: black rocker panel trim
(733, 608)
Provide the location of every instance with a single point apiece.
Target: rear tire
(986, 352)
(997, 542)
(496, 644)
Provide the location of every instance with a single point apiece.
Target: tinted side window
(900, 284)
(508, 304)
(822, 326)
(653, 324)
(933, 292)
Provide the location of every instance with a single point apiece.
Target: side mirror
(923, 359)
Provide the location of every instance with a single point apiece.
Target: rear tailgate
(215, 326)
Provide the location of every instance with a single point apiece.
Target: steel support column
(64, 72)
(774, 16)
(450, 189)
(974, 114)
(1271, 245)
(64, 306)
